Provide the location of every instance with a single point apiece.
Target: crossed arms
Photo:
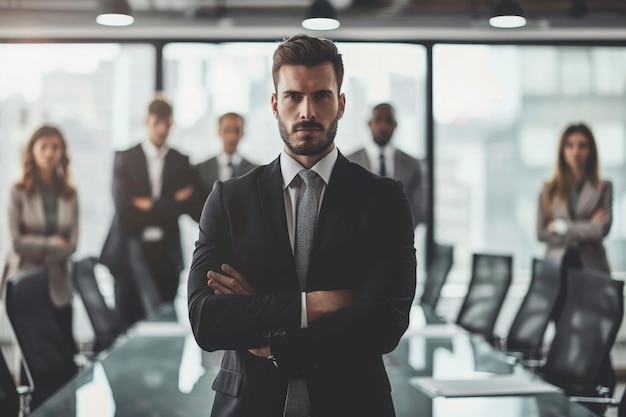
(368, 315)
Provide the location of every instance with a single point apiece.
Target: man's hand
(229, 282)
(143, 203)
(183, 193)
(263, 352)
(320, 303)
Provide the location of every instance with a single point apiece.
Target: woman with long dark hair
(43, 218)
(575, 215)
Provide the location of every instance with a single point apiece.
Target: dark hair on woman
(302, 49)
(562, 181)
(30, 176)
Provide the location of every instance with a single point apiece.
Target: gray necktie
(297, 402)
(232, 168)
(305, 224)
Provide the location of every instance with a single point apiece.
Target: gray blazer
(207, 173)
(409, 172)
(32, 248)
(581, 232)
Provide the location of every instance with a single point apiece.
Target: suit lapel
(140, 170)
(589, 195)
(332, 207)
(270, 186)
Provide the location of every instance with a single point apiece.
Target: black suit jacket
(409, 171)
(207, 173)
(130, 180)
(363, 242)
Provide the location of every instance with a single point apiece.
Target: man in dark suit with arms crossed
(317, 341)
(152, 186)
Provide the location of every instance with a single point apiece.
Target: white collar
(289, 167)
(223, 158)
(152, 151)
(375, 151)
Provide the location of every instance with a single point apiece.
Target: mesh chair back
(49, 356)
(105, 321)
(585, 332)
(491, 278)
(436, 275)
(530, 323)
(9, 400)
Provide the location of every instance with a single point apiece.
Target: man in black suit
(152, 187)
(380, 157)
(315, 338)
(228, 163)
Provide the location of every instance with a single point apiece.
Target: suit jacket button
(267, 334)
(274, 332)
(282, 332)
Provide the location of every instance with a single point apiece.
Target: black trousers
(159, 259)
(571, 260)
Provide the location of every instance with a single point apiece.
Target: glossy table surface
(157, 369)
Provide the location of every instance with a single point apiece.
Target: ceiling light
(321, 15)
(507, 14)
(116, 13)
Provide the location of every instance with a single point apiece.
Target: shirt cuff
(560, 226)
(303, 317)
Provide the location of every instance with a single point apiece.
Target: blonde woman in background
(43, 219)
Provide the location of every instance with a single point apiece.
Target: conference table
(157, 370)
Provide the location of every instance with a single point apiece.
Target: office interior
(481, 107)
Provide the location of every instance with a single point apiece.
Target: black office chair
(9, 398)
(491, 278)
(438, 269)
(48, 355)
(585, 334)
(106, 322)
(526, 333)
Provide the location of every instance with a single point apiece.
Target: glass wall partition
(207, 80)
(97, 94)
(499, 112)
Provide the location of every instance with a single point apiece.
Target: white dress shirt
(155, 159)
(373, 154)
(293, 190)
(224, 171)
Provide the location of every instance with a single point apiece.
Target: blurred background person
(380, 157)
(575, 215)
(228, 163)
(152, 186)
(43, 219)
(575, 205)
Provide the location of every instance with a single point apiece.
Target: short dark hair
(302, 49)
(160, 108)
(385, 106)
(229, 114)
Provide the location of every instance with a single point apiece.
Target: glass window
(97, 95)
(499, 112)
(207, 80)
